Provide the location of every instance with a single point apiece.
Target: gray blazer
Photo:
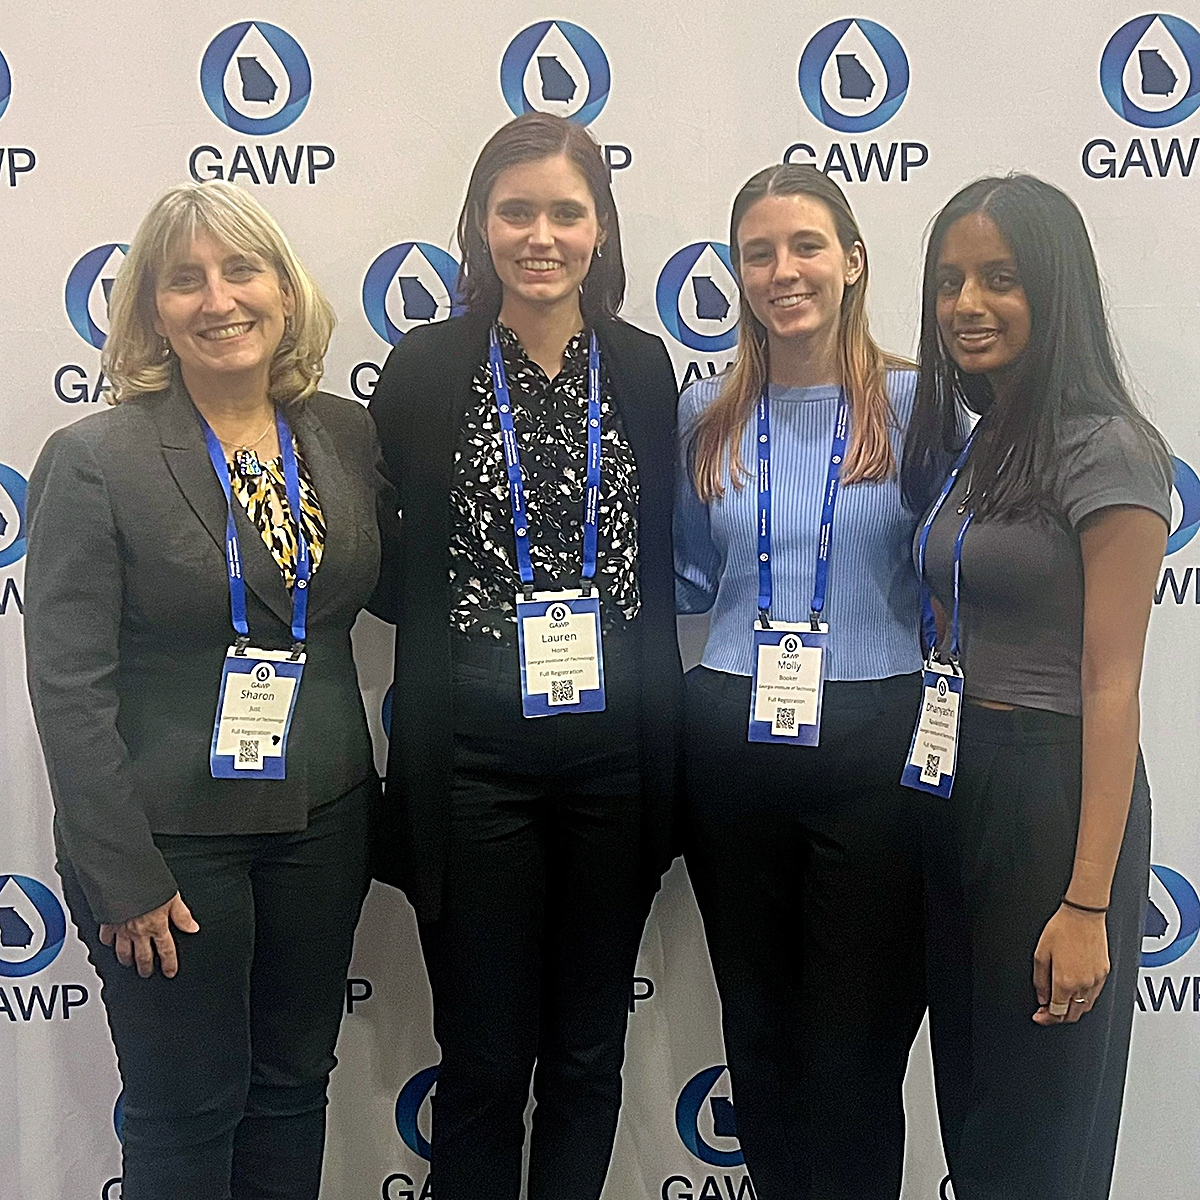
(127, 623)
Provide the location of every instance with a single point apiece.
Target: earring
(164, 350)
(599, 251)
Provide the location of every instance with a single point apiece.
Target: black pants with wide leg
(532, 957)
(1027, 1113)
(226, 1067)
(804, 863)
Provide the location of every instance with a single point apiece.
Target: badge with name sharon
(562, 667)
(787, 683)
(254, 713)
(932, 758)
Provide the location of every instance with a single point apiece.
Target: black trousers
(804, 864)
(225, 1067)
(1026, 1112)
(532, 958)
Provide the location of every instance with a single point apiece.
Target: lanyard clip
(297, 650)
(814, 621)
(585, 587)
(764, 618)
(241, 644)
(527, 591)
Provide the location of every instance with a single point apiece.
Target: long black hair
(1068, 368)
(525, 139)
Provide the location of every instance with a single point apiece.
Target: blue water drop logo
(697, 297)
(255, 78)
(410, 284)
(33, 926)
(1173, 912)
(1187, 488)
(556, 67)
(1150, 71)
(854, 75)
(13, 486)
(691, 1113)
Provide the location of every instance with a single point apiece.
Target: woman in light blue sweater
(790, 529)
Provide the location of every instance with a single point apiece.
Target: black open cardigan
(418, 407)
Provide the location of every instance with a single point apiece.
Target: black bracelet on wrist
(1087, 908)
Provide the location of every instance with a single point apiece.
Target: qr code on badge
(562, 691)
(933, 767)
(248, 751)
(785, 718)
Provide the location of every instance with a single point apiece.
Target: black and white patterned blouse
(550, 420)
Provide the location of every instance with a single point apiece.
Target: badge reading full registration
(562, 668)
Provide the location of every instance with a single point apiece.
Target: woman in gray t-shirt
(1037, 865)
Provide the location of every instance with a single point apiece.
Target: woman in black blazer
(531, 848)
(248, 837)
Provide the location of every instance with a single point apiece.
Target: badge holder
(558, 632)
(259, 688)
(562, 664)
(788, 682)
(254, 713)
(932, 757)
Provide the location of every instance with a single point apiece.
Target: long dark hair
(526, 139)
(1068, 368)
(715, 441)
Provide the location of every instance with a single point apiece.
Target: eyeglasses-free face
(982, 310)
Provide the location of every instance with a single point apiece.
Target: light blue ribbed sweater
(873, 602)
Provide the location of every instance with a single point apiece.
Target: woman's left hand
(1070, 966)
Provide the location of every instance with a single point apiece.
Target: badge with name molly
(254, 713)
(788, 679)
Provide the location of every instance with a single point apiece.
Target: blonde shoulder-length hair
(136, 359)
(716, 440)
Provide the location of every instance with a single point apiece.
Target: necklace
(245, 459)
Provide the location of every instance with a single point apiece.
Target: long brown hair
(717, 437)
(530, 138)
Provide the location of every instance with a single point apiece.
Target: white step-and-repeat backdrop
(357, 126)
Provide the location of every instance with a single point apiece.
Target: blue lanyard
(512, 462)
(825, 538)
(928, 620)
(233, 550)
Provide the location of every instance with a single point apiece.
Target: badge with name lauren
(787, 683)
(931, 758)
(562, 669)
(254, 713)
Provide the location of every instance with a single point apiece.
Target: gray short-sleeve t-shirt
(1022, 581)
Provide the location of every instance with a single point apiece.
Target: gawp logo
(697, 297)
(12, 515)
(558, 612)
(409, 1104)
(1150, 71)
(119, 1118)
(255, 78)
(943, 688)
(853, 75)
(791, 644)
(5, 84)
(33, 926)
(1187, 488)
(89, 290)
(407, 285)
(717, 1116)
(262, 674)
(1173, 913)
(556, 67)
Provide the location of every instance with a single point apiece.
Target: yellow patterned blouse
(264, 497)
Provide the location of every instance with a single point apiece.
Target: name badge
(788, 682)
(254, 713)
(934, 752)
(562, 667)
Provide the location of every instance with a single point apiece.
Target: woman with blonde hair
(197, 556)
(790, 528)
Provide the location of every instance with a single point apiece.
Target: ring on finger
(1080, 999)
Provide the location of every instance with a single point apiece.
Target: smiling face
(982, 311)
(221, 310)
(794, 271)
(542, 231)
